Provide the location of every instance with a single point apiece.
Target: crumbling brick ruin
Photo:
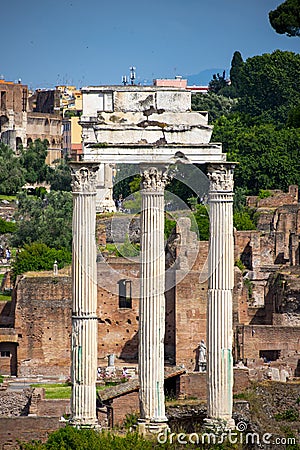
(35, 327)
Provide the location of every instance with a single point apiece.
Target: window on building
(3, 100)
(125, 294)
(269, 355)
(5, 354)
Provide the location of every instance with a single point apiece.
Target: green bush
(128, 249)
(202, 219)
(70, 438)
(264, 193)
(37, 256)
(242, 221)
(238, 263)
(169, 227)
(7, 227)
(291, 415)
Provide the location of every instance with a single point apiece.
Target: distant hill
(203, 78)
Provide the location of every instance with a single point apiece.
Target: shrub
(242, 221)
(238, 263)
(70, 438)
(202, 219)
(128, 249)
(169, 227)
(7, 227)
(264, 194)
(291, 415)
(37, 256)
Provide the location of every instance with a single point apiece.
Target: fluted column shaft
(221, 282)
(152, 299)
(84, 296)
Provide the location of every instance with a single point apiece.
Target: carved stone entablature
(221, 177)
(154, 179)
(84, 177)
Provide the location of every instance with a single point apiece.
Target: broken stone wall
(43, 325)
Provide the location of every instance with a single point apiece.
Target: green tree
(269, 158)
(33, 160)
(217, 83)
(202, 220)
(242, 221)
(270, 86)
(294, 117)
(285, 19)
(38, 256)
(47, 220)
(125, 174)
(235, 71)
(60, 177)
(217, 105)
(7, 227)
(12, 175)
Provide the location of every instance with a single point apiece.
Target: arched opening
(18, 144)
(3, 121)
(29, 141)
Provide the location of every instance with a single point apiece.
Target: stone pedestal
(84, 295)
(221, 281)
(152, 301)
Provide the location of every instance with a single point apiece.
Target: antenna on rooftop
(132, 74)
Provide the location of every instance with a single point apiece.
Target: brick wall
(43, 325)
(270, 337)
(53, 408)
(117, 327)
(190, 310)
(127, 404)
(25, 429)
(193, 385)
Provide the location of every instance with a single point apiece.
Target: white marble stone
(152, 299)
(221, 281)
(84, 296)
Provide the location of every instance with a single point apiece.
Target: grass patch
(58, 391)
(55, 391)
(5, 297)
(9, 198)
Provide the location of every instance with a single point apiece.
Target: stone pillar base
(84, 424)
(146, 427)
(217, 426)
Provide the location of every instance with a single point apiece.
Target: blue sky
(93, 42)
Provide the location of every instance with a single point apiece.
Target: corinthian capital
(221, 176)
(84, 177)
(154, 178)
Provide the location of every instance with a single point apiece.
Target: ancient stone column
(84, 295)
(152, 300)
(221, 281)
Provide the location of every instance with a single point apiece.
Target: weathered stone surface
(14, 404)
